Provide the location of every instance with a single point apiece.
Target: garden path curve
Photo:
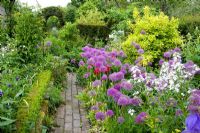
(71, 116)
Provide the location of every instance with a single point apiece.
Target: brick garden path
(71, 116)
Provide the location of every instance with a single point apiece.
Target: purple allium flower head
(177, 50)
(104, 77)
(117, 63)
(118, 86)
(48, 43)
(140, 51)
(86, 75)
(95, 107)
(98, 64)
(192, 124)
(161, 62)
(135, 101)
(1, 93)
(126, 85)
(86, 48)
(116, 76)
(103, 69)
(120, 120)
(117, 96)
(81, 63)
(119, 75)
(140, 58)
(91, 61)
(96, 83)
(121, 54)
(197, 72)
(73, 61)
(109, 113)
(123, 101)
(167, 54)
(140, 118)
(143, 32)
(179, 112)
(100, 116)
(137, 46)
(112, 92)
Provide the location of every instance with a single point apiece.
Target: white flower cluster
(131, 112)
(172, 74)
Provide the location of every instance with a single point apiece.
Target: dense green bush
(53, 21)
(155, 35)
(29, 34)
(29, 109)
(70, 14)
(188, 23)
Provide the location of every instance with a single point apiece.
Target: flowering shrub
(155, 34)
(124, 97)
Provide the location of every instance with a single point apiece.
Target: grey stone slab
(77, 130)
(68, 119)
(61, 112)
(76, 123)
(59, 130)
(76, 116)
(60, 122)
(68, 126)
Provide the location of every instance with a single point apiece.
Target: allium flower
(116, 76)
(104, 77)
(117, 86)
(100, 116)
(123, 101)
(135, 101)
(120, 120)
(1, 93)
(91, 61)
(126, 85)
(137, 46)
(161, 62)
(143, 32)
(73, 61)
(117, 63)
(94, 107)
(86, 75)
(192, 124)
(98, 64)
(112, 92)
(189, 65)
(138, 60)
(177, 50)
(109, 113)
(81, 63)
(140, 118)
(140, 51)
(179, 112)
(96, 83)
(167, 54)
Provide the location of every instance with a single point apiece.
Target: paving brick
(68, 119)
(68, 126)
(59, 130)
(76, 123)
(76, 116)
(77, 130)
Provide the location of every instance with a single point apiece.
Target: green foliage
(28, 33)
(189, 23)
(30, 107)
(70, 13)
(53, 11)
(92, 17)
(3, 33)
(159, 35)
(191, 47)
(70, 34)
(57, 47)
(53, 21)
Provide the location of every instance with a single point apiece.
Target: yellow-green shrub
(29, 110)
(159, 34)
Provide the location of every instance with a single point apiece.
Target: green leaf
(19, 93)
(6, 121)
